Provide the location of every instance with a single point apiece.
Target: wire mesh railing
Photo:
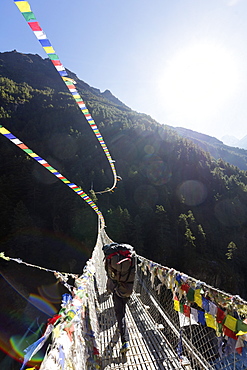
(204, 326)
(201, 327)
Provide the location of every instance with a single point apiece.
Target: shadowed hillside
(176, 203)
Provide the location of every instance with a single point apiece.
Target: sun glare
(197, 81)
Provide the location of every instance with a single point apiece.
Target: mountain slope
(174, 200)
(176, 203)
(216, 148)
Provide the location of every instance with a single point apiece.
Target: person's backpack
(120, 264)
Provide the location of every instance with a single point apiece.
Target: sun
(197, 81)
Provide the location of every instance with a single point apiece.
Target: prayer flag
(61, 359)
(62, 73)
(22, 146)
(193, 316)
(183, 320)
(205, 304)
(36, 346)
(239, 345)
(229, 333)
(40, 35)
(53, 56)
(201, 318)
(241, 327)
(176, 305)
(185, 287)
(220, 316)
(49, 49)
(45, 42)
(187, 310)
(198, 297)
(56, 63)
(16, 141)
(60, 68)
(230, 322)
(29, 16)
(34, 26)
(210, 320)
(212, 308)
(190, 295)
(23, 6)
(4, 131)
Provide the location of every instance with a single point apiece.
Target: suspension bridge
(161, 335)
(174, 320)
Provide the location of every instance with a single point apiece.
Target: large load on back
(120, 265)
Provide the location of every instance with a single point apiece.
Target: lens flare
(50, 292)
(14, 347)
(20, 343)
(42, 304)
(192, 192)
(158, 172)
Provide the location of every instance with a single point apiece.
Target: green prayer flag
(190, 295)
(28, 16)
(241, 326)
(53, 56)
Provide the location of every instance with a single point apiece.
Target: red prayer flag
(53, 319)
(229, 333)
(185, 287)
(186, 310)
(22, 146)
(56, 62)
(34, 26)
(220, 316)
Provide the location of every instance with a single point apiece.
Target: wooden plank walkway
(149, 349)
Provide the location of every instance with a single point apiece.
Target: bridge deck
(149, 347)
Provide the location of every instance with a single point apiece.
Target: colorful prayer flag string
(25, 8)
(77, 189)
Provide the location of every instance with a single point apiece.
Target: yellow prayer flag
(56, 331)
(230, 322)
(49, 49)
(23, 6)
(198, 297)
(176, 305)
(210, 320)
(69, 79)
(4, 131)
(76, 96)
(241, 332)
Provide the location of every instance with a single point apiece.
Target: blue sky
(183, 62)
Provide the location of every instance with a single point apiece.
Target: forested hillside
(176, 204)
(218, 150)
